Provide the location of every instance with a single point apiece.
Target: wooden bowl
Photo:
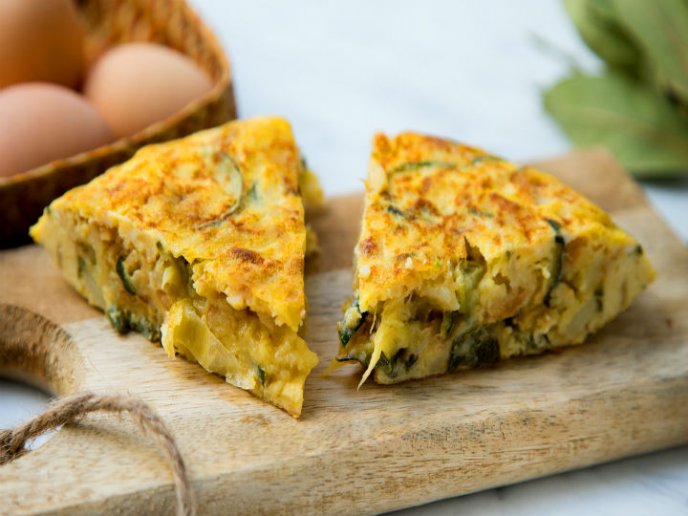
(109, 22)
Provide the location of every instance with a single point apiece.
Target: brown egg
(40, 40)
(41, 122)
(137, 84)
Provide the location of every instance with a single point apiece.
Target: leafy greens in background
(638, 107)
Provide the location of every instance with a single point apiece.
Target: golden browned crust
(227, 201)
(427, 197)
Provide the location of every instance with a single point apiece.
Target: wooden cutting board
(625, 392)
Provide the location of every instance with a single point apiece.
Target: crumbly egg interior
(522, 302)
(142, 287)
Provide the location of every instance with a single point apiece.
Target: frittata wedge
(199, 243)
(466, 259)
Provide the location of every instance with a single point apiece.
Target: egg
(137, 84)
(40, 40)
(41, 122)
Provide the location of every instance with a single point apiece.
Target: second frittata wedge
(466, 259)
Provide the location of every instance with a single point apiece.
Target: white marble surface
(469, 70)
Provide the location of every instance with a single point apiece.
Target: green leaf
(660, 29)
(597, 23)
(640, 127)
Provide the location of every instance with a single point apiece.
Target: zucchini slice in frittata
(200, 243)
(466, 259)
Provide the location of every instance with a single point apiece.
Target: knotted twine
(72, 408)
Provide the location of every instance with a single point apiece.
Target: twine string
(72, 408)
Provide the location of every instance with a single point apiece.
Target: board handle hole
(38, 360)
(37, 352)
(20, 401)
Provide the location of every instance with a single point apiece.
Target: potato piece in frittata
(199, 243)
(466, 259)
